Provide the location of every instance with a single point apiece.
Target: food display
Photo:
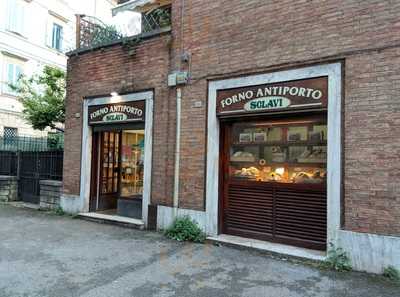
(248, 173)
(285, 153)
(240, 156)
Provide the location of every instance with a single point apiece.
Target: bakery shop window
(290, 151)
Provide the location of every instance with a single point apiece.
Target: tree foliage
(43, 98)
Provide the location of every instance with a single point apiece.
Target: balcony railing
(91, 32)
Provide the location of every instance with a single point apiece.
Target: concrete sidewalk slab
(44, 255)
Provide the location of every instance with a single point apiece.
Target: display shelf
(281, 143)
(292, 164)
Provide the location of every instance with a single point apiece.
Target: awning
(139, 5)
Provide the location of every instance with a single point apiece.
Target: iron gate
(35, 166)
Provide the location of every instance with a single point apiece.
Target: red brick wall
(228, 38)
(372, 146)
(234, 37)
(112, 69)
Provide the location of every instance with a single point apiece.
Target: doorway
(117, 170)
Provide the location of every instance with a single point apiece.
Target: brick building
(274, 120)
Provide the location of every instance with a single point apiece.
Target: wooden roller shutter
(290, 214)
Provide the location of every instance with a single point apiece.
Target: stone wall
(50, 191)
(8, 188)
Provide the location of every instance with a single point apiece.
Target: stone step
(112, 220)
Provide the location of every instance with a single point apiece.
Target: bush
(391, 273)
(59, 211)
(185, 229)
(337, 260)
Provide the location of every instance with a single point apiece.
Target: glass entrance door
(109, 170)
(118, 166)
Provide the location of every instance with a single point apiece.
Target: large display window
(290, 151)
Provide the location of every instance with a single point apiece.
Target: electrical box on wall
(178, 78)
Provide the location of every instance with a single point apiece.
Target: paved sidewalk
(44, 255)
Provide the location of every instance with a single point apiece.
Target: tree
(43, 98)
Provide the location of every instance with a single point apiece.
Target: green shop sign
(267, 103)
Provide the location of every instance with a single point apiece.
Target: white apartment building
(35, 33)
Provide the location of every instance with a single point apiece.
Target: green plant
(105, 34)
(185, 229)
(391, 273)
(337, 260)
(59, 211)
(42, 96)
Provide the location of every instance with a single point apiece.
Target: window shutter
(21, 18)
(16, 17)
(11, 15)
(10, 78)
(18, 72)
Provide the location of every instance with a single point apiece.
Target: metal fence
(8, 163)
(93, 32)
(30, 168)
(33, 144)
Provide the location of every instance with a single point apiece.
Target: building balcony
(134, 20)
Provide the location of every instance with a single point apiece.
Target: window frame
(57, 44)
(14, 129)
(16, 11)
(16, 64)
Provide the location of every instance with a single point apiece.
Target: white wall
(33, 48)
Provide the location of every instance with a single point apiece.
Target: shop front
(117, 151)
(272, 135)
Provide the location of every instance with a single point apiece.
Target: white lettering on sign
(272, 91)
(99, 112)
(270, 102)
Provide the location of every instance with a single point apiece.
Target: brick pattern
(235, 37)
(372, 149)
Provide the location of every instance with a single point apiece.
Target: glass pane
(297, 133)
(279, 151)
(132, 160)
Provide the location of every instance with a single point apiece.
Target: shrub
(391, 273)
(337, 260)
(59, 211)
(185, 229)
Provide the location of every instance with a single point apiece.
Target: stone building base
(8, 188)
(50, 191)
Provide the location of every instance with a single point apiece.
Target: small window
(56, 41)
(16, 16)
(13, 71)
(10, 132)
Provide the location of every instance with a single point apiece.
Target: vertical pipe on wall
(177, 147)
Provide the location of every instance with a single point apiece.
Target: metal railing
(92, 32)
(32, 144)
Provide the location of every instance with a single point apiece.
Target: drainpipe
(177, 149)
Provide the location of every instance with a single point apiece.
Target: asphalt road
(44, 255)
